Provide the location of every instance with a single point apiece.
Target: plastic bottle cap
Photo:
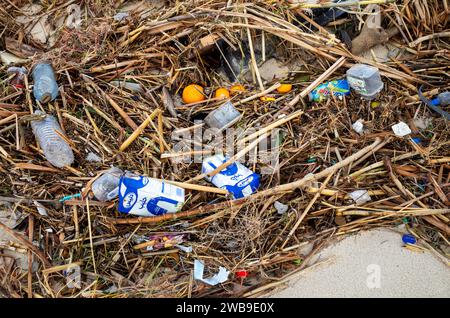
(409, 239)
(435, 101)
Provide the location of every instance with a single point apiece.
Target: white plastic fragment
(134, 87)
(358, 126)
(7, 58)
(120, 16)
(423, 122)
(280, 207)
(73, 20)
(220, 277)
(186, 249)
(92, 157)
(360, 196)
(401, 129)
(41, 209)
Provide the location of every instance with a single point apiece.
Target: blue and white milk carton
(139, 195)
(236, 178)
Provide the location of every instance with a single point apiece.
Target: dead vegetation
(321, 158)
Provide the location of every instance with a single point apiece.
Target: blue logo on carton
(239, 190)
(155, 209)
(245, 182)
(128, 191)
(129, 200)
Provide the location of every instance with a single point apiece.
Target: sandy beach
(372, 264)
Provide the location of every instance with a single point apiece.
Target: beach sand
(372, 264)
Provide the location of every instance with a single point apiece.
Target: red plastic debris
(242, 274)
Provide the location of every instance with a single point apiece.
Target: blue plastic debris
(69, 197)
(409, 239)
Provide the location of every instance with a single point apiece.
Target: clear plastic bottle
(106, 187)
(56, 150)
(45, 87)
(365, 80)
(443, 99)
(223, 117)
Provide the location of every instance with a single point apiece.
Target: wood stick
(314, 177)
(417, 212)
(380, 163)
(340, 4)
(7, 119)
(252, 54)
(90, 235)
(113, 66)
(121, 112)
(440, 225)
(429, 37)
(384, 143)
(139, 130)
(30, 166)
(308, 207)
(196, 187)
(264, 130)
(30, 256)
(263, 93)
(59, 268)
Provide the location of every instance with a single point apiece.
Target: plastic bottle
(106, 187)
(223, 117)
(365, 80)
(443, 99)
(45, 88)
(323, 91)
(55, 148)
(18, 79)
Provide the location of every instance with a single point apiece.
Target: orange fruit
(284, 88)
(193, 94)
(222, 93)
(237, 88)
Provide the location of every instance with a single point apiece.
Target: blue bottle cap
(435, 101)
(409, 239)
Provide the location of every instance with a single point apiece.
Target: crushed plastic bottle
(223, 117)
(237, 179)
(443, 99)
(365, 80)
(139, 195)
(106, 187)
(45, 88)
(56, 150)
(18, 80)
(337, 87)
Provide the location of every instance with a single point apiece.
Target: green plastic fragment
(297, 261)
